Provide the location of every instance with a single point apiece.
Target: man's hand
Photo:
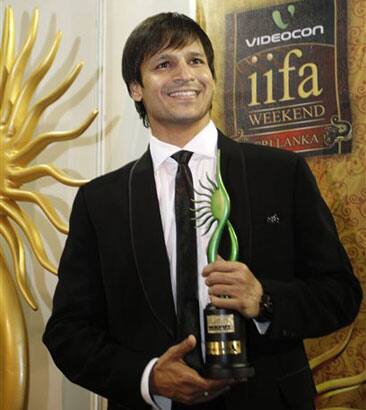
(233, 279)
(172, 377)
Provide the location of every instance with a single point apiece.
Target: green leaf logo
(277, 18)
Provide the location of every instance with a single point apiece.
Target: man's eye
(197, 61)
(163, 64)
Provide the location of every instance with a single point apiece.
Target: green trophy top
(218, 209)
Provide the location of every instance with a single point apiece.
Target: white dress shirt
(201, 164)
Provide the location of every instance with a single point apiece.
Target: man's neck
(178, 134)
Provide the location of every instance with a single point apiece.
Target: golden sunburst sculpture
(19, 119)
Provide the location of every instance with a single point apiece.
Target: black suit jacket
(113, 306)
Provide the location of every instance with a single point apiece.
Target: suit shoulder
(103, 194)
(257, 152)
(110, 179)
(270, 160)
(265, 153)
(107, 188)
(260, 157)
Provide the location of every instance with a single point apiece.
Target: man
(113, 327)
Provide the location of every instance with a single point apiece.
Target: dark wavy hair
(164, 30)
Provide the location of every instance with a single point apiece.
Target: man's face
(177, 88)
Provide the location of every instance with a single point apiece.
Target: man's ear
(136, 91)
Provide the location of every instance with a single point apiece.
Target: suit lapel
(148, 243)
(235, 180)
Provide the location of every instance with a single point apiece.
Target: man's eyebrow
(167, 55)
(157, 58)
(197, 54)
(161, 56)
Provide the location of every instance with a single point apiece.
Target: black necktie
(187, 289)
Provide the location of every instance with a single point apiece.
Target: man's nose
(183, 72)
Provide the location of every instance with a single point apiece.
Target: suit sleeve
(76, 333)
(324, 294)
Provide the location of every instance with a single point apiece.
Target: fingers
(180, 350)
(172, 377)
(242, 290)
(228, 303)
(235, 280)
(233, 274)
(225, 278)
(214, 385)
(222, 265)
(223, 290)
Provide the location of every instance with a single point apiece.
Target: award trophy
(225, 337)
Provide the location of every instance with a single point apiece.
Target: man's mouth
(183, 93)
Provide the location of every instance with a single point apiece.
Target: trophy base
(225, 341)
(240, 373)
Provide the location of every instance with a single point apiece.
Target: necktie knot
(182, 157)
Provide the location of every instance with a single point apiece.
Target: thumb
(178, 351)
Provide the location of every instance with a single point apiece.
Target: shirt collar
(204, 143)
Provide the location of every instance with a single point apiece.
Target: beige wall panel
(48, 388)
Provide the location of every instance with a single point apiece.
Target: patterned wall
(338, 360)
(342, 181)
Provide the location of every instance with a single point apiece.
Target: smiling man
(116, 325)
(176, 89)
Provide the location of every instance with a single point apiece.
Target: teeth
(182, 94)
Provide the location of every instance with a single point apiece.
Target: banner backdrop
(293, 75)
(286, 65)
